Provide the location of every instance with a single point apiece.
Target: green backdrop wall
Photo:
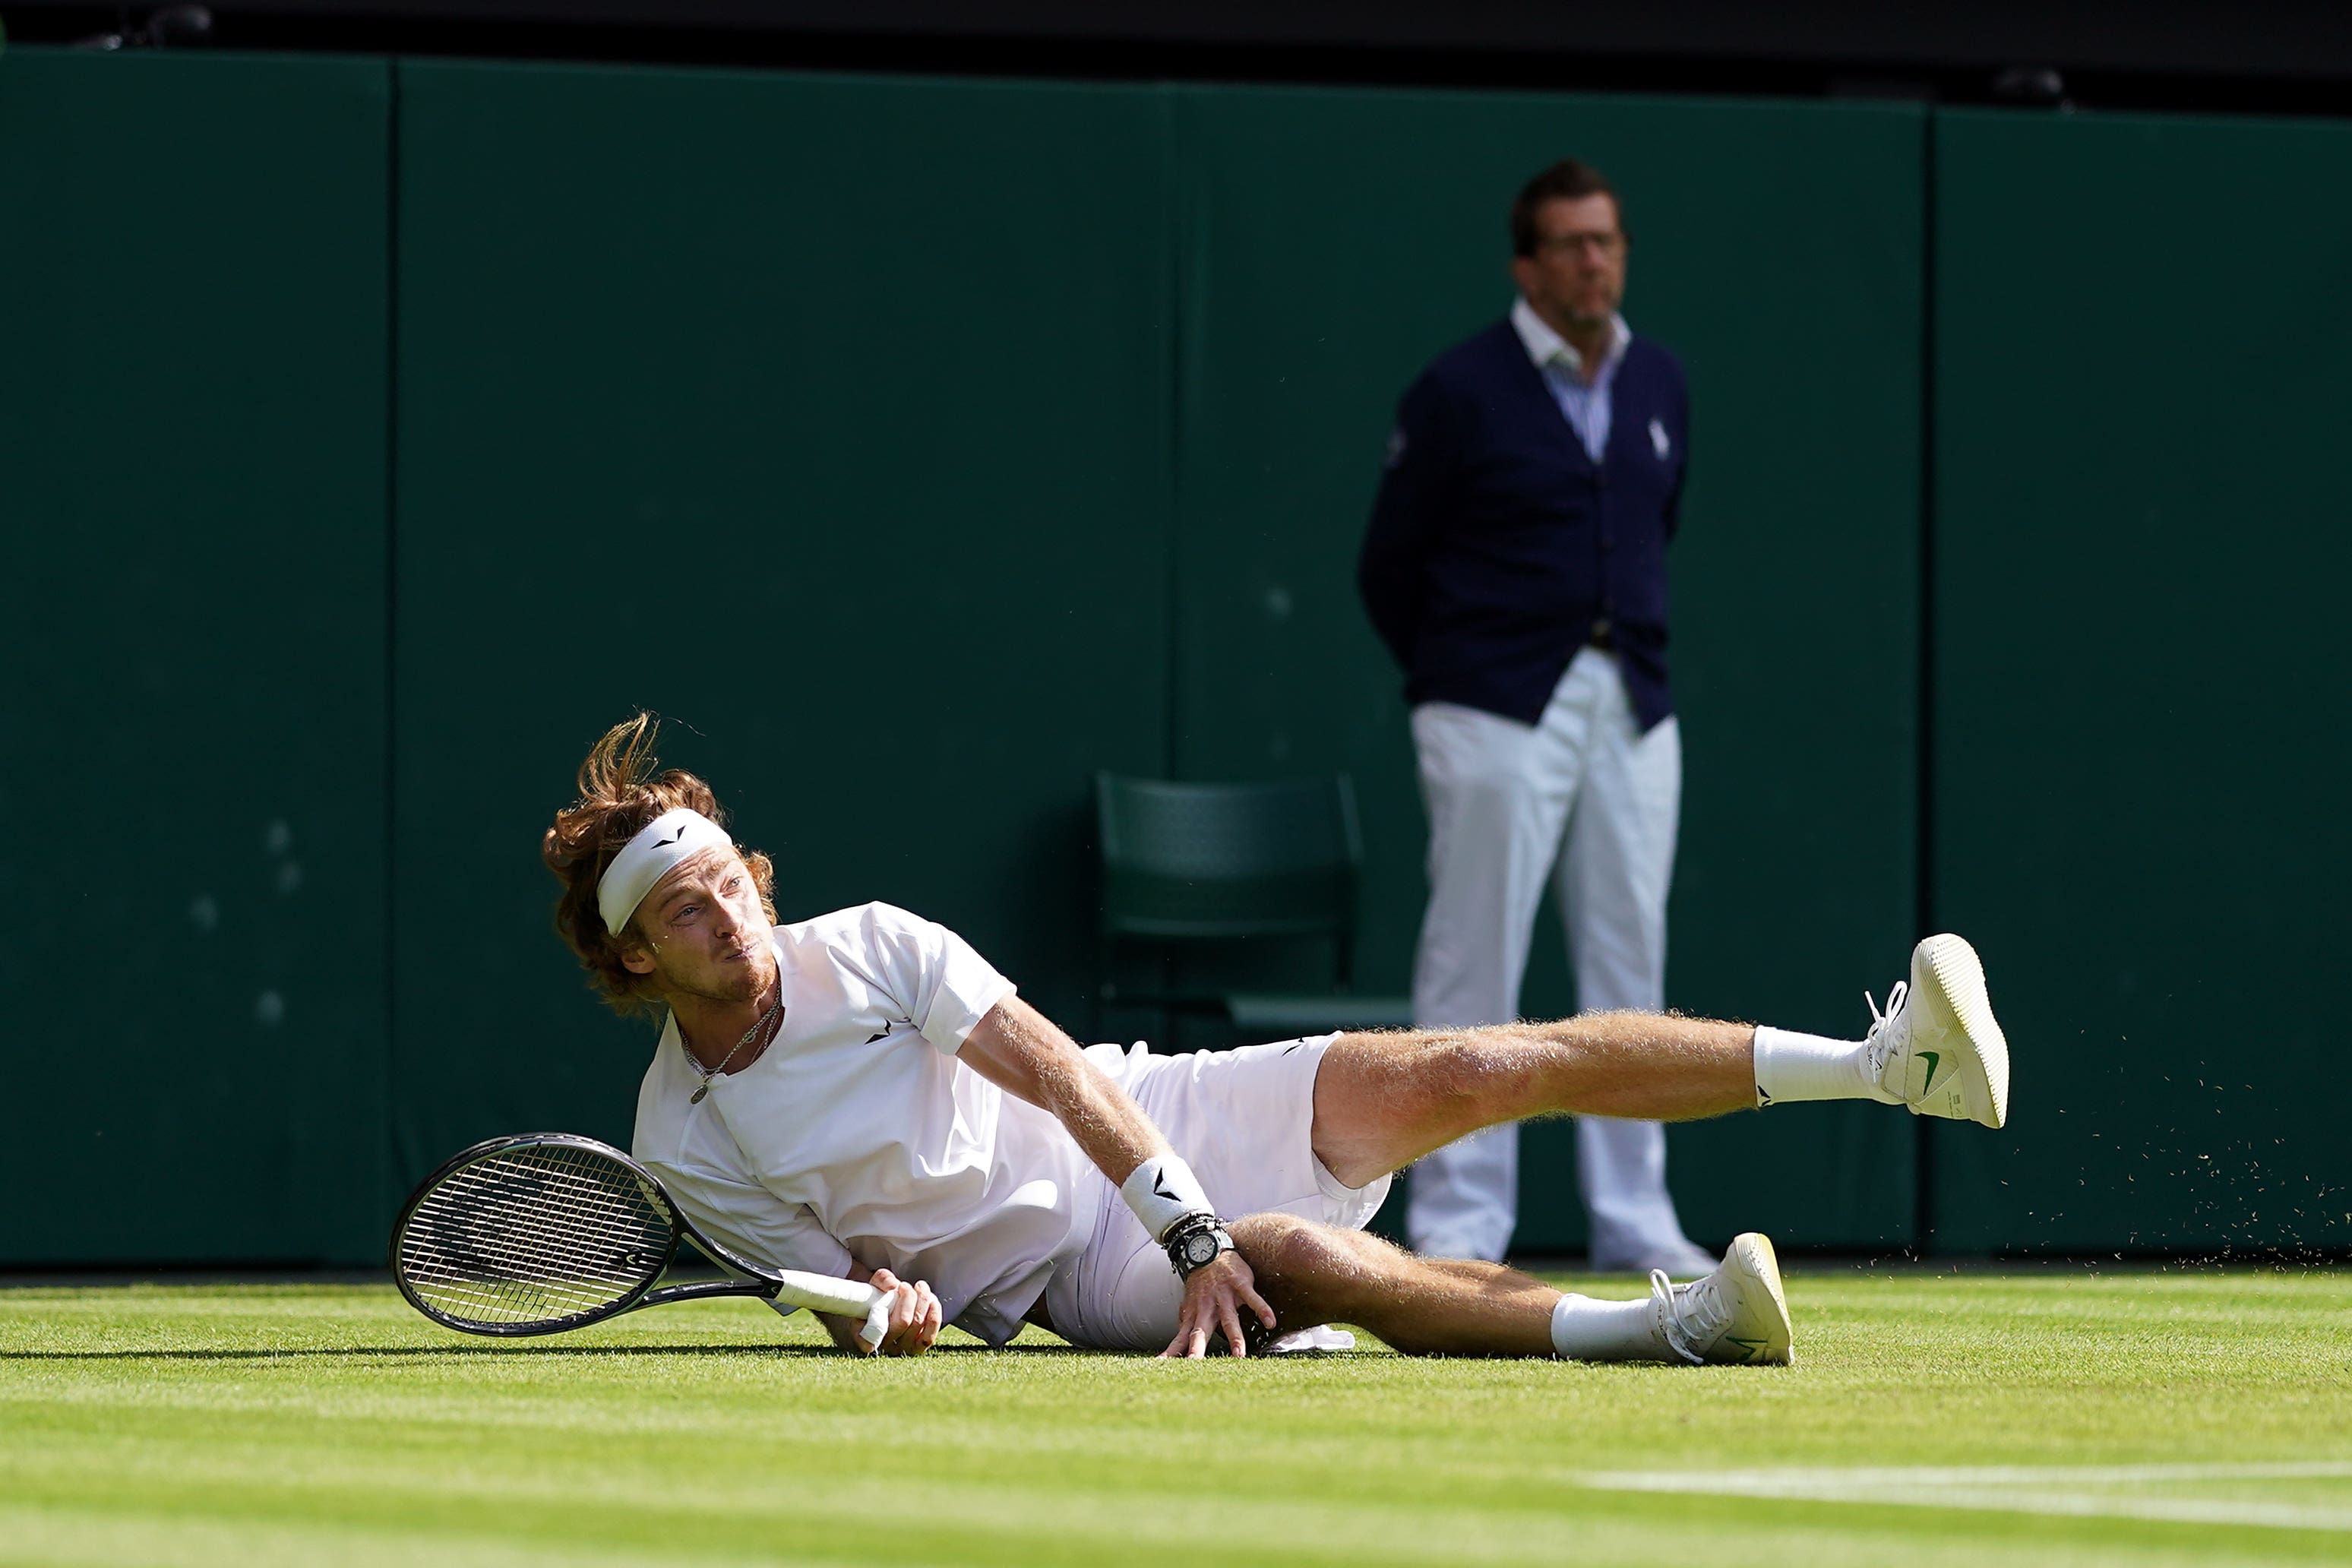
(2141, 551)
(922, 447)
(193, 432)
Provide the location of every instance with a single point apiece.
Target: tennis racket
(540, 1231)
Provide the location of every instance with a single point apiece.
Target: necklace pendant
(695, 1098)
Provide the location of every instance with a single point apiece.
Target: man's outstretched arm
(1019, 1049)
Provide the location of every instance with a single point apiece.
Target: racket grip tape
(877, 1321)
(842, 1298)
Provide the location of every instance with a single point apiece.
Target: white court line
(1981, 1488)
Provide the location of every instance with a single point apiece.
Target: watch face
(1199, 1249)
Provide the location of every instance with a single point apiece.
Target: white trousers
(1586, 801)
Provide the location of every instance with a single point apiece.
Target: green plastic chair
(1202, 863)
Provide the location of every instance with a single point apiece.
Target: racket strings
(537, 1235)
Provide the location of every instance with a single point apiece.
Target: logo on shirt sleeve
(889, 1025)
(1658, 441)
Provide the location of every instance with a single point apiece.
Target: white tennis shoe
(1936, 1048)
(1739, 1314)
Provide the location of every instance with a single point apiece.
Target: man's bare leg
(1383, 1100)
(1423, 1306)
(1313, 1273)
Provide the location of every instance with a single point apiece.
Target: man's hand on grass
(914, 1316)
(1215, 1296)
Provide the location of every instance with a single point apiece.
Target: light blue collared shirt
(1585, 407)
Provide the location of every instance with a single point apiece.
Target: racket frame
(763, 1283)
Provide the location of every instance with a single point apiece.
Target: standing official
(1516, 565)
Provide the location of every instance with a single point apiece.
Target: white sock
(1585, 1329)
(1789, 1066)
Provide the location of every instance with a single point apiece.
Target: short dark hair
(1566, 180)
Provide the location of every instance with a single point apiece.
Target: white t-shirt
(857, 1134)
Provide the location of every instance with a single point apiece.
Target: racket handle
(842, 1298)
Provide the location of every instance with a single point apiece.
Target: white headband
(646, 859)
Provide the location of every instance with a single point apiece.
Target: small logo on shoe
(1755, 1348)
(1934, 1059)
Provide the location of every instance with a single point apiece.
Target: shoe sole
(1978, 1088)
(1753, 1258)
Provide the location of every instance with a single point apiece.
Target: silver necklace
(709, 1073)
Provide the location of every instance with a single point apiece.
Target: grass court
(2180, 1415)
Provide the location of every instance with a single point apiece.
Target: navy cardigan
(1497, 547)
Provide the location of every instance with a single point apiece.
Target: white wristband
(1162, 1191)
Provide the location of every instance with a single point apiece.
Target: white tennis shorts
(1245, 1122)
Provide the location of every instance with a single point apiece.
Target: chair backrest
(1225, 860)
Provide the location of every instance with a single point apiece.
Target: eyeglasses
(1605, 244)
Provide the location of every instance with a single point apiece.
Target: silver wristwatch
(1196, 1241)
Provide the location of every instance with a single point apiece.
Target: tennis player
(862, 1095)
